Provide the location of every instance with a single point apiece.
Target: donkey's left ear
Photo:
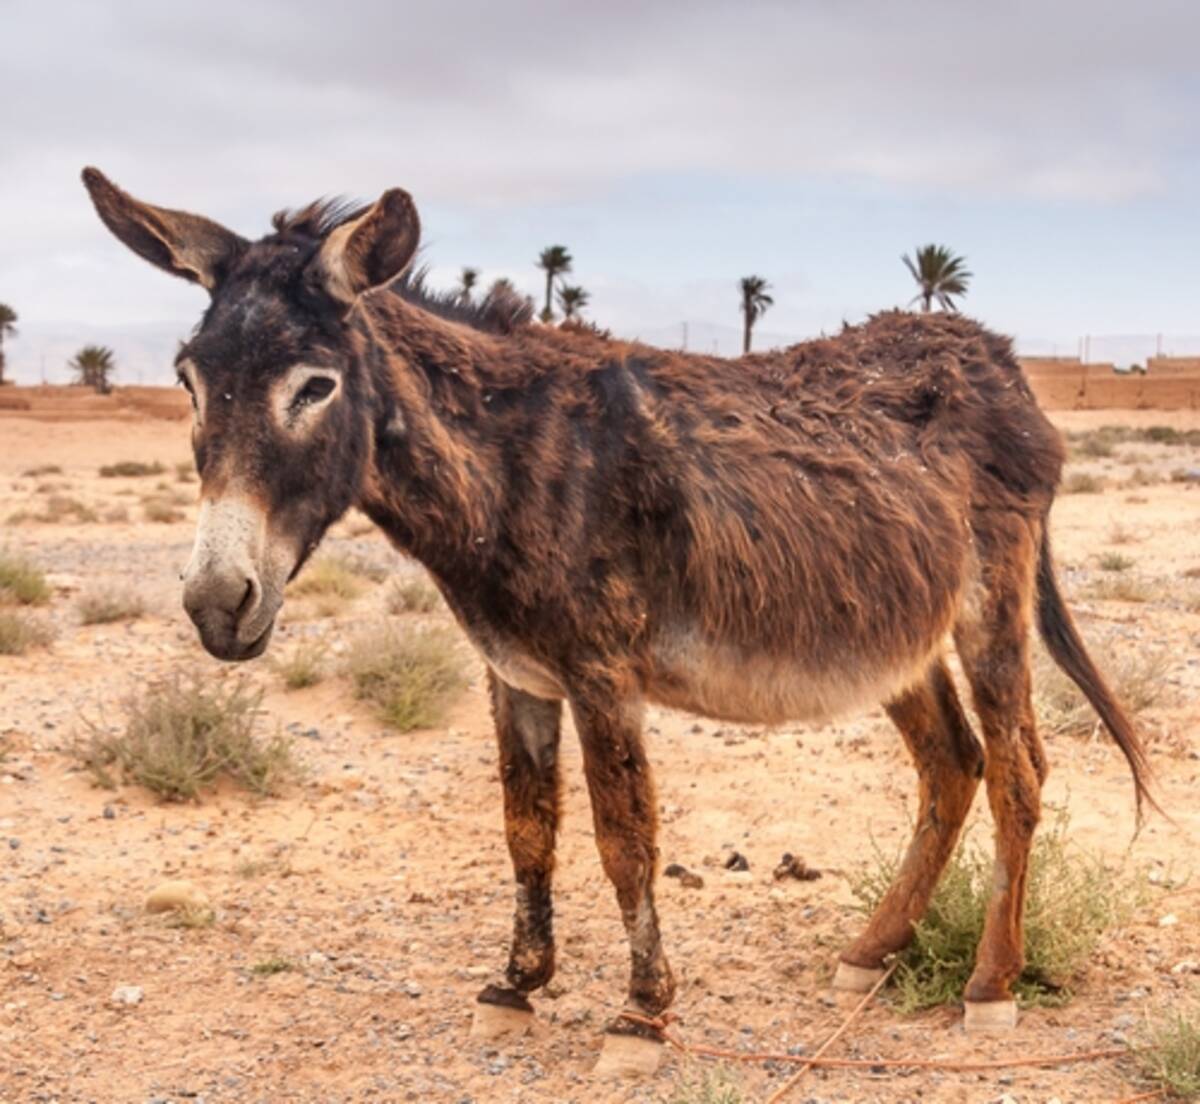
(372, 249)
(183, 244)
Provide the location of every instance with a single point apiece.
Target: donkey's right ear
(184, 245)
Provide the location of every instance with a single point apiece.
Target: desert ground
(356, 915)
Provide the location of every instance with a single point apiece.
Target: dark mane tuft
(319, 217)
(502, 310)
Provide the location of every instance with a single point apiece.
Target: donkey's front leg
(527, 729)
(626, 822)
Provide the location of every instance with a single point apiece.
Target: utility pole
(685, 337)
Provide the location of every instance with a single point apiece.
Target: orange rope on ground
(867, 998)
(1153, 1094)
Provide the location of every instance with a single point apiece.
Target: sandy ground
(385, 882)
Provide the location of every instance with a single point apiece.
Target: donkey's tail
(1064, 644)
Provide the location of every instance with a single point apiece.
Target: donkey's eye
(185, 383)
(314, 390)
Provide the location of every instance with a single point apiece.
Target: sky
(672, 147)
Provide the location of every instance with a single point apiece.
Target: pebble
(128, 995)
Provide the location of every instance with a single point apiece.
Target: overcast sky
(673, 147)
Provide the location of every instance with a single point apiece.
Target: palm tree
(8, 328)
(93, 366)
(939, 274)
(466, 284)
(555, 261)
(572, 300)
(755, 302)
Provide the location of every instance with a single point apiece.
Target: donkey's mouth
(227, 646)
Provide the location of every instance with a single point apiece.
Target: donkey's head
(283, 408)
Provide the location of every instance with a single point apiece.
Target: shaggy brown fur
(777, 537)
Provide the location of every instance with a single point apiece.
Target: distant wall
(1173, 366)
(81, 404)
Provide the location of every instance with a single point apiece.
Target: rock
(127, 995)
(691, 881)
(181, 895)
(674, 870)
(1186, 966)
(736, 861)
(110, 813)
(1168, 921)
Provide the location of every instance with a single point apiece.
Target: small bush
(1072, 899)
(329, 575)
(131, 469)
(22, 582)
(116, 515)
(1095, 446)
(102, 606)
(412, 596)
(160, 508)
(20, 632)
(57, 509)
(185, 472)
(276, 964)
(1136, 675)
(44, 469)
(409, 677)
(1082, 483)
(708, 1086)
(1121, 534)
(1114, 561)
(1140, 477)
(304, 666)
(185, 731)
(1121, 588)
(1168, 1052)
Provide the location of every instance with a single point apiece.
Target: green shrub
(21, 581)
(1168, 1052)
(410, 677)
(705, 1085)
(1072, 899)
(185, 731)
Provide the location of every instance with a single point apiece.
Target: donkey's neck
(432, 484)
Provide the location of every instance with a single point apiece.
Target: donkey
(779, 537)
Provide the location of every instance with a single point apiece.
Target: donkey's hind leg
(992, 638)
(527, 729)
(949, 763)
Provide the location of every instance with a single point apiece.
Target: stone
(127, 995)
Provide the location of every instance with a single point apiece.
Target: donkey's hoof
(856, 979)
(986, 1017)
(499, 1013)
(629, 1056)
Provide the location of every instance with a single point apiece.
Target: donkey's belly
(728, 683)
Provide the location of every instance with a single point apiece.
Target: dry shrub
(19, 632)
(1168, 1052)
(304, 665)
(276, 964)
(57, 509)
(1137, 675)
(21, 581)
(102, 606)
(330, 576)
(116, 515)
(1139, 477)
(1114, 561)
(185, 731)
(410, 677)
(43, 469)
(1082, 483)
(162, 508)
(1121, 588)
(1072, 899)
(707, 1085)
(1122, 534)
(412, 596)
(131, 469)
(185, 472)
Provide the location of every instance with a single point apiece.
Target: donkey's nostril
(249, 598)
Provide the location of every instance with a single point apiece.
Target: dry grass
(162, 508)
(1137, 675)
(276, 964)
(1121, 588)
(1168, 1052)
(185, 472)
(410, 677)
(21, 581)
(103, 606)
(1114, 561)
(412, 596)
(131, 469)
(330, 576)
(19, 632)
(43, 469)
(708, 1085)
(304, 665)
(57, 510)
(1082, 483)
(1121, 534)
(183, 733)
(1072, 899)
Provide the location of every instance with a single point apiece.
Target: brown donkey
(774, 538)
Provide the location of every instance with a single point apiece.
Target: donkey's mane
(501, 310)
(318, 218)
